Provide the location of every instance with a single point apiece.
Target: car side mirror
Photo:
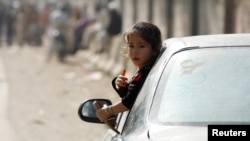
(87, 111)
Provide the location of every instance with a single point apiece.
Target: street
(42, 98)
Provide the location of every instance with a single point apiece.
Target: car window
(204, 86)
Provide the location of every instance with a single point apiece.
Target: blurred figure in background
(108, 22)
(34, 35)
(7, 21)
(100, 22)
(10, 15)
(115, 23)
(58, 30)
(2, 11)
(79, 28)
(44, 14)
(113, 28)
(21, 25)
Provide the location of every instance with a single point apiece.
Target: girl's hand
(102, 114)
(121, 82)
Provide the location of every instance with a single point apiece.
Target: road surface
(39, 100)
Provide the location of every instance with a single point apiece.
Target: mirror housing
(87, 112)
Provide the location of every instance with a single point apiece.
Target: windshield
(205, 85)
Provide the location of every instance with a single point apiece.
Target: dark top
(130, 93)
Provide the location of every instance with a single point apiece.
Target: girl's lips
(135, 59)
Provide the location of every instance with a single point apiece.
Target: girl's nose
(135, 51)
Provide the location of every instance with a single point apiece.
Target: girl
(143, 43)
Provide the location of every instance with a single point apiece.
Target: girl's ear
(156, 52)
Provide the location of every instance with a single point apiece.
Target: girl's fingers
(122, 78)
(121, 81)
(123, 73)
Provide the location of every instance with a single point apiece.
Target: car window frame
(121, 120)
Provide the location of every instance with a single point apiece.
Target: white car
(198, 90)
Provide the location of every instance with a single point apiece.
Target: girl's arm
(106, 111)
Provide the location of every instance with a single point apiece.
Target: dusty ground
(44, 97)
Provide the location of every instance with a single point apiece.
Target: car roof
(208, 41)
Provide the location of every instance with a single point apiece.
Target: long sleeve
(121, 92)
(134, 87)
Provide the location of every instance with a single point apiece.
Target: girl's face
(139, 51)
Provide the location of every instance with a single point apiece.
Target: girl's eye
(130, 46)
(142, 46)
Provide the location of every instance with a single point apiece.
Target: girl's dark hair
(148, 31)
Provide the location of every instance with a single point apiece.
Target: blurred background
(56, 53)
(29, 21)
